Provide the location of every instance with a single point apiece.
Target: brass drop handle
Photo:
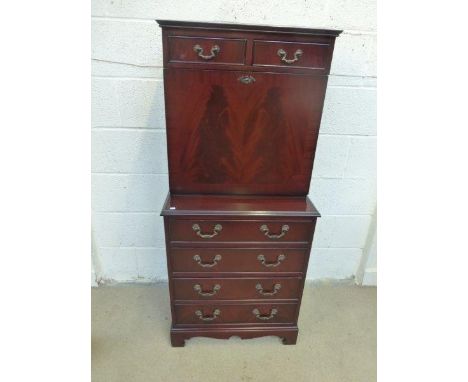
(272, 314)
(282, 53)
(199, 289)
(279, 259)
(198, 259)
(247, 79)
(217, 229)
(264, 228)
(214, 316)
(275, 290)
(199, 50)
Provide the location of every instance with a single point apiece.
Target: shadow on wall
(366, 273)
(96, 269)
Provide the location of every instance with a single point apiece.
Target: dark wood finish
(239, 270)
(239, 260)
(237, 288)
(236, 138)
(243, 110)
(236, 314)
(231, 51)
(240, 230)
(210, 31)
(234, 205)
(180, 334)
(222, 27)
(315, 56)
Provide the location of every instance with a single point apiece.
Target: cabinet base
(180, 335)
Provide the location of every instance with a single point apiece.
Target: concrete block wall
(129, 165)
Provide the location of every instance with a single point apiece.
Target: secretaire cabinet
(243, 109)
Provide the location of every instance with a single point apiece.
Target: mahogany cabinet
(243, 109)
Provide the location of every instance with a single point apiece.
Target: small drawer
(240, 230)
(206, 50)
(236, 288)
(315, 56)
(262, 313)
(258, 260)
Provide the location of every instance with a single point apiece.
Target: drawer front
(212, 260)
(206, 50)
(236, 289)
(315, 56)
(235, 314)
(240, 230)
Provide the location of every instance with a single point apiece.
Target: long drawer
(235, 314)
(214, 260)
(241, 231)
(236, 288)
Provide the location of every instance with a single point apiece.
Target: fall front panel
(242, 133)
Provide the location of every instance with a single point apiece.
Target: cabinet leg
(290, 338)
(177, 340)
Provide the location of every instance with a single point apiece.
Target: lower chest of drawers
(232, 275)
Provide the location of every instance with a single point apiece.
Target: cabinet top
(238, 205)
(246, 27)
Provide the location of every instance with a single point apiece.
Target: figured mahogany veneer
(243, 108)
(241, 117)
(257, 138)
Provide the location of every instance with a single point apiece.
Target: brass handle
(199, 50)
(198, 259)
(246, 79)
(264, 228)
(282, 53)
(215, 315)
(262, 259)
(272, 314)
(275, 290)
(198, 288)
(217, 229)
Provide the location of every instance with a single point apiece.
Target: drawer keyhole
(247, 79)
